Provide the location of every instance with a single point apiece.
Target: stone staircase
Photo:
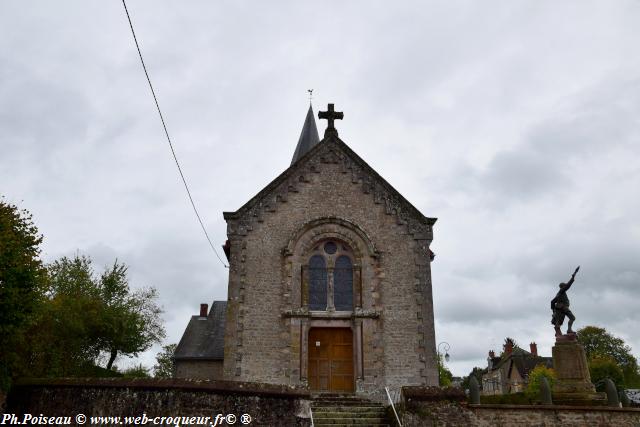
(337, 410)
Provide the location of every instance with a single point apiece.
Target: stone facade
(330, 194)
(199, 369)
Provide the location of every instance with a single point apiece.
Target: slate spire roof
(308, 137)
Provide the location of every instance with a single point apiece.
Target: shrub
(533, 387)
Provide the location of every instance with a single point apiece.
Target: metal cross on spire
(330, 115)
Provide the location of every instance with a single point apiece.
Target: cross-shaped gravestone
(330, 115)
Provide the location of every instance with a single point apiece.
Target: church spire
(308, 137)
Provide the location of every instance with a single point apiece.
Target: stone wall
(431, 407)
(199, 369)
(268, 405)
(570, 416)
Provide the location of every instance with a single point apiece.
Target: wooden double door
(331, 360)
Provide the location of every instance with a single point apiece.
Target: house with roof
(329, 281)
(201, 350)
(509, 372)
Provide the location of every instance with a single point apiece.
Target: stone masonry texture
(448, 407)
(199, 369)
(330, 193)
(273, 405)
(267, 405)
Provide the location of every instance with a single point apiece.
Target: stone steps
(335, 422)
(339, 410)
(352, 409)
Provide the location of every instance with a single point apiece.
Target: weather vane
(310, 94)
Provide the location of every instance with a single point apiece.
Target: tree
(536, 375)
(21, 284)
(444, 375)
(88, 316)
(508, 343)
(67, 331)
(131, 320)
(165, 364)
(599, 344)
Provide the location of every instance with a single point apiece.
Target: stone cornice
(357, 314)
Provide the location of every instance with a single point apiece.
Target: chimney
(204, 309)
(534, 349)
(508, 348)
(492, 354)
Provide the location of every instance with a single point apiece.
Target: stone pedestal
(573, 384)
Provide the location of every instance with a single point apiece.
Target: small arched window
(343, 283)
(317, 283)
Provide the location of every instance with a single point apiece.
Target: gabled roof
(499, 361)
(520, 359)
(330, 142)
(204, 337)
(308, 137)
(525, 364)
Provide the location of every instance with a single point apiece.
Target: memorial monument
(573, 385)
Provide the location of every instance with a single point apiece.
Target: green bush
(533, 387)
(137, 371)
(603, 367)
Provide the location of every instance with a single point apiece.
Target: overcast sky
(516, 124)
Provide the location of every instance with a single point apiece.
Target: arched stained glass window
(317, 283)
(343, 283)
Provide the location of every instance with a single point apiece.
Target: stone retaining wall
(448, 407)
(274, 405)
(268, 405)
(503, 415)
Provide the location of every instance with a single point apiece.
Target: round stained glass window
(330, 248)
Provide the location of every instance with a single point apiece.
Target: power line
(166, 132)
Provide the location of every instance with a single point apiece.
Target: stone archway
(305, 242)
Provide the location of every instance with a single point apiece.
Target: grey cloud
(516, 126)
(523, 174)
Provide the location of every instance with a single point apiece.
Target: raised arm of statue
(573, 277)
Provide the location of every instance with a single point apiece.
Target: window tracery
(330, 277)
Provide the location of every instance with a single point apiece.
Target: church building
(329, 281)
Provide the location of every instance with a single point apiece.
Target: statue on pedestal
(560, 307)
(573, 384)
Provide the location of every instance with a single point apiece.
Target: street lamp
(446, 350)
